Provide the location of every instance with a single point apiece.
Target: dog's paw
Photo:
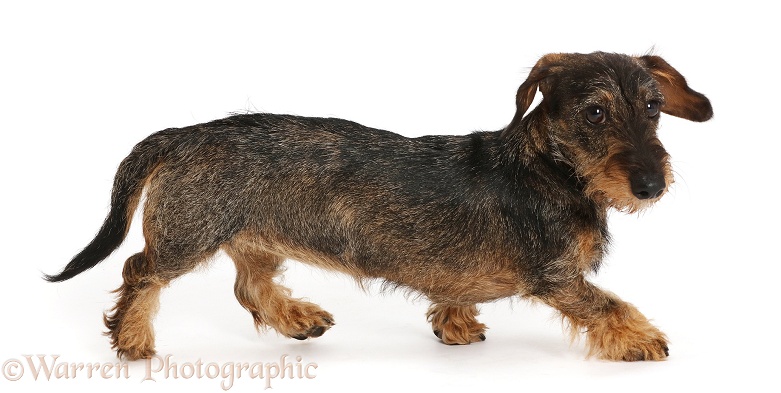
(306, 320)
(455, 339)
(627, 336)
(456, 325)
(316, 330)
(655, 349)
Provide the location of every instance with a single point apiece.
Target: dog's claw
(316, 331)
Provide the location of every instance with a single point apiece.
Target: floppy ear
(680, 100)
(523, 99)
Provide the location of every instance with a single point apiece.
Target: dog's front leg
(615, 329)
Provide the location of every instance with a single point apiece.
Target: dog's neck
(529, 147)
(525, 141)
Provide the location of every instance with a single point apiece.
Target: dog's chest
(588, 248)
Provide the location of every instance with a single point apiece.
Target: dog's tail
(128, 185)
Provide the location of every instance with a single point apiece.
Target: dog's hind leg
(129, 323)
(456, 324)
(145, 274)
(270, 303)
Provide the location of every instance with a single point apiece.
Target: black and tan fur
(460, 219)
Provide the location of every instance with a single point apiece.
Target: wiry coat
(459, 219)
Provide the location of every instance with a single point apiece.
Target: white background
(81, 83)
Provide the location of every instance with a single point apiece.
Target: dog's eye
(652, 108)
(595, 115)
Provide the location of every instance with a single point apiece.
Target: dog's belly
(468, 280)
(464, 288)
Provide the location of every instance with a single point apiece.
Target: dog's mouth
(631, 204)
(628, 193)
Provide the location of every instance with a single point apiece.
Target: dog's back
(334, 193)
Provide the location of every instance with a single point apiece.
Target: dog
(461, 220)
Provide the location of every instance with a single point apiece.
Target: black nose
(647, 185)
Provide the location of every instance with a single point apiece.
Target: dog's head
(599, 115)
